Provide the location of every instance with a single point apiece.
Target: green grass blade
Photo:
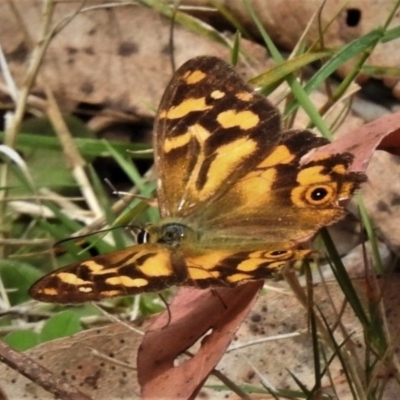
(126, 164)
(343, 278)
(88, 147)
(295, 86)
(346, 53)
(279, 72)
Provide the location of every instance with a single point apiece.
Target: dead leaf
(341, 22)
(363, 141)
(215, 313)
(100, 362)
(116, 58)
(275, 342)
(258, 347)
(381, 192)
(381, 197)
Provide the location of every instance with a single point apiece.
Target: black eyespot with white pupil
(319, 195)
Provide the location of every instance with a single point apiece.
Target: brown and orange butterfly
(233, 196)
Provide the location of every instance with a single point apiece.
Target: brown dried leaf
(72, 358)
(113, 57)
(278, 313)
(275, 313)
(381, 192)
(381, 197)
(363, 141)
(341, 21)
(194, 313)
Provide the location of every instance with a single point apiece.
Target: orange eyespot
(279, 254)
(319, 195)
(314, 195)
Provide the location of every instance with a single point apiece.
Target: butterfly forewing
(136, 269)
(211, 129)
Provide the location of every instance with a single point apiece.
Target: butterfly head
(171, 234)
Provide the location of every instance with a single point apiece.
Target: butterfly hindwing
(279, 199)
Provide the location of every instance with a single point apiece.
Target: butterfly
(234, 198)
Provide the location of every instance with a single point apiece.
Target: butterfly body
(234, 196)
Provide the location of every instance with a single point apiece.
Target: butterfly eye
(172, 234)
(142, 236)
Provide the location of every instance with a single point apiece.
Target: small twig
(224, 379)
(21, 24)
(4, 330)
(99, 222)
(262, 378)
(74, 160)
(111, 360)
(13, 127)
(230, 384)
(26, 242)
(33, 68)
(38, 374)
(28, 208)
(263, 340)
(300, 295)
(10, 83)
(119, 321)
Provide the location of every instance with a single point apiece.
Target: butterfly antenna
(114, 190)
(150, 201)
